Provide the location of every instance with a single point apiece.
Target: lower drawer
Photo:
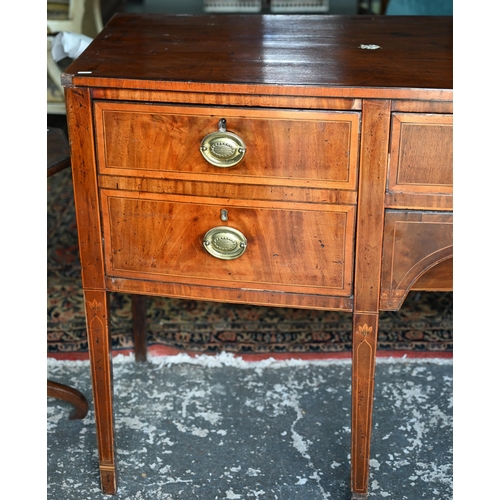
(417, 250)
(280, 247)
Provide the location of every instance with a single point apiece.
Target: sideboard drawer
(301, 248)
(421, 159)
(281, 147)
(414, 242)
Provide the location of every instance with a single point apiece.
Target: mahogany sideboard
(290, 161)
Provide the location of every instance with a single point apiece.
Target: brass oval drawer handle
(225, 242)
(223, 149)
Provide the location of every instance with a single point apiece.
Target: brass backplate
(223, 149)
(225, 242)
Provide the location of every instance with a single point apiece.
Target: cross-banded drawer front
(301, 248)
(252, 146)
(421, 153)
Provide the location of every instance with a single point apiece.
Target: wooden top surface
(199, 52)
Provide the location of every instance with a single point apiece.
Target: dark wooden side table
(58, 158)
(294, 161)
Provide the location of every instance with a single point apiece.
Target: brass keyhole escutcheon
(225, 243)
(223, 149)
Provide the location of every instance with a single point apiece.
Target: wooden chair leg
(71, 395)
(139, 333)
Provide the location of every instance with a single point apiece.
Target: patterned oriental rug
(423, 326)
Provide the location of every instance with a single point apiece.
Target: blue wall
(420, 8)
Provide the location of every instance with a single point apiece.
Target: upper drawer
(421, 160)
(288, 148)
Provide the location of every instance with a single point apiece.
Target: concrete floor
(219, 428)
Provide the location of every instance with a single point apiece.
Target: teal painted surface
(420, 8)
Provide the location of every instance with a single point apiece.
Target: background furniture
(74, 16)
(71, 395)
(85, 17)
(58, 158)
(301, 162)
(338, 7)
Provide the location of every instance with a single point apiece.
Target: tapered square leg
(365, 328)
(359, 496)
(97, 312)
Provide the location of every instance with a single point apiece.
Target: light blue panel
(420, 8)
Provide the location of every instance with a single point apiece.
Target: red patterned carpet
(423, 326)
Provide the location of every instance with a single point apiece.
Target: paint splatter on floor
(221, 428)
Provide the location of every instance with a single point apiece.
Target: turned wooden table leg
(363, 372)
(139, 332)
(66, 393)
(97, 309)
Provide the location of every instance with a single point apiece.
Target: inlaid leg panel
(97, 311)
(365, 327)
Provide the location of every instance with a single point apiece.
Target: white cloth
(67, 44)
